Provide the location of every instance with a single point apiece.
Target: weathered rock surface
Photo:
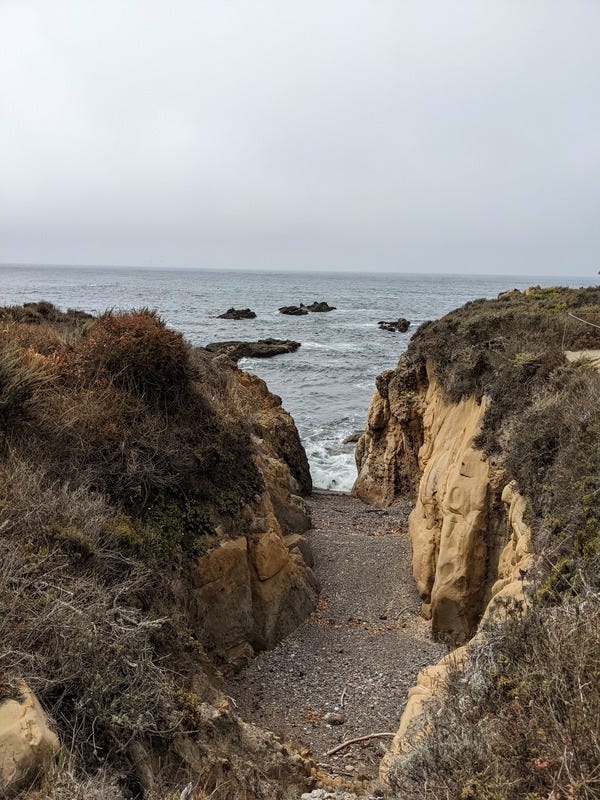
(515, 560)
(471, 546)
(387, 452)
(27, 743)
(271, 422)
(302, 310)
(294, 311)
(419, 442)
(237, 313)
(319, 306)
(401, 325)
(263, 348)
(253, 589)
(448, 526)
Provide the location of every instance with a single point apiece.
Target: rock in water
(294, 311)
(401, 325)
(237, 313)
(322, 306)
(263, 348)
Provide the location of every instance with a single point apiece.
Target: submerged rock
(263, 348)
(237, 313)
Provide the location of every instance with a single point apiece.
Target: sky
(403, 135)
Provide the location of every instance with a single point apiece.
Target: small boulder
(401, 325)
(294, 311)
(334, 718)
(27, 743)
(237, 313)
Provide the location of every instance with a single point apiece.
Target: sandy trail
(361, 650)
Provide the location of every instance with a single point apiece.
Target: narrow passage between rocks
(358, 653)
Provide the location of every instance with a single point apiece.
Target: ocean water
(326, 384)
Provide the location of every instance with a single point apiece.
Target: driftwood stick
(358, 739)
(342, 697)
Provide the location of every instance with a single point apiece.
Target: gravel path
(360, 651)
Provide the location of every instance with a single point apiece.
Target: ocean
(327, 384)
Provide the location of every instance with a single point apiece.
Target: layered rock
(418, 441)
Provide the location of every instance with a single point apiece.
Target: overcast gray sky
(409, 135)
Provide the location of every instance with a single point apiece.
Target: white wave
(331, 467)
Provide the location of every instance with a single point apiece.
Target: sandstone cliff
(494, 435)
(421, 441)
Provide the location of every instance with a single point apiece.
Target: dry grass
(523, 721)
(115, 459)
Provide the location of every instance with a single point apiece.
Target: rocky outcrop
(294, 311)
(470, 543)
(387, 452)
(418, 441)
(27, 743)
(401, 325)
(302, 310)
(263, 348)
(515, 560)
(271, 422)
(237, 313)
(319, 306)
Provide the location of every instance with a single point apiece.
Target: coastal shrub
(481, 342)
(42, 313)
(22, 381)
(554, 455)
(522, 719)
(137, 352)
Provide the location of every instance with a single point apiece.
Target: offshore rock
(319, 306)
(237, 313)
(263, 348)
(401, 325)
(294, 311)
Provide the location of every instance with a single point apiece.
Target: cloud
(382, 134)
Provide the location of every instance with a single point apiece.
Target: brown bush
(136, 352)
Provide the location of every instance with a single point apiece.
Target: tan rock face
(448, 525)
(386, 453)
(253, 589)
(515, 560)
(27, 743)
(419, 442)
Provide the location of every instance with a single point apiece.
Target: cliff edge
(490, 423)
